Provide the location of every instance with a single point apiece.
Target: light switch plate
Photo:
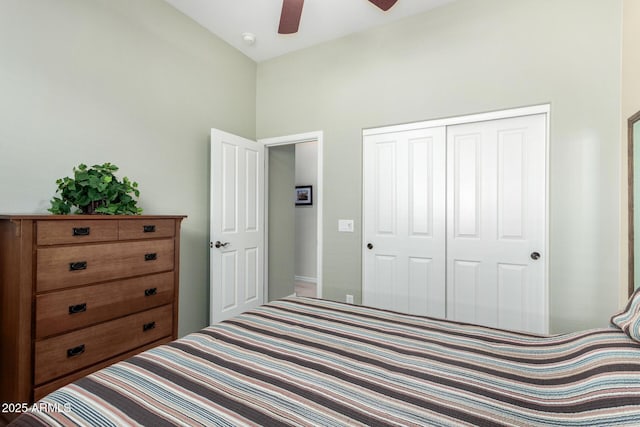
(345, 225)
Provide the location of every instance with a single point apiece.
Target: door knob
(369, 245)
(535, 255)
(221, 245)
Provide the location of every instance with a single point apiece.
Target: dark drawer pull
(80, 265)
(78, 308)
(148, 326)
(75, 351)
(150, 292)
(81, 231)
(150, 257)
(149, 228)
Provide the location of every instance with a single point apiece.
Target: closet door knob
(219, 244)
(369, 246)
(535, 255)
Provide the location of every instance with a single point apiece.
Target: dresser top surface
(50, 217)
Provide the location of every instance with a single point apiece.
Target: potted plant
(96, 190)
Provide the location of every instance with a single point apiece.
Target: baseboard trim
(306, 279)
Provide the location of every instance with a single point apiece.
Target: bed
(308, 362)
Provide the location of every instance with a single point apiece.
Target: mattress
(308, 362)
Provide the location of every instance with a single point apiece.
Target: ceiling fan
(292, 10)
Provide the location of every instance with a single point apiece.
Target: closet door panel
(404, 221)
(386, 186)
(512, 296)
(463, 288)
(386, 290)
(496, 210)
(420, 300)
(465, 175)
(512, 190)
(421, 187)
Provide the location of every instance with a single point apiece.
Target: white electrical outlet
(349, 299)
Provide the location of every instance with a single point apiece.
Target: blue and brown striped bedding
(300, 361)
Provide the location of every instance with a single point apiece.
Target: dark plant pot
(90, 209)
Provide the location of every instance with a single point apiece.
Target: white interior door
(496, 223)
(404, 221)
(237, 225)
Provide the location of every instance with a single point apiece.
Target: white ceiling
(322, 20)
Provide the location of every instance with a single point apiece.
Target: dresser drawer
(64, 232)
(58, 356)
(67, 266)
(41, 391)
(129, 229)
(67, 310)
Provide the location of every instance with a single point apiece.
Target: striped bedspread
(307, 362)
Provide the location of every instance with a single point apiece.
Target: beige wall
(630, 102)
(630, 59)
(140, 85)
(464, 58)
(134, 83)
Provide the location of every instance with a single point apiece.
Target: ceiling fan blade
(384, 4)
(290, 16)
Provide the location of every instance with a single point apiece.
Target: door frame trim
(458, 120)
(315, 136)
(483, 117)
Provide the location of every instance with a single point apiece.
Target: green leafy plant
(96, 190)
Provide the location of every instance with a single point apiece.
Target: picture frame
(304, 195)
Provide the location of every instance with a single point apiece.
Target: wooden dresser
(78, 293)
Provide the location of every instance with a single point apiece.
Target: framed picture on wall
(304, 195)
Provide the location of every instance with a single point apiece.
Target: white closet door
(496, 223)
(404, 221)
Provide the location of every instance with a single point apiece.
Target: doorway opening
(294, 233)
